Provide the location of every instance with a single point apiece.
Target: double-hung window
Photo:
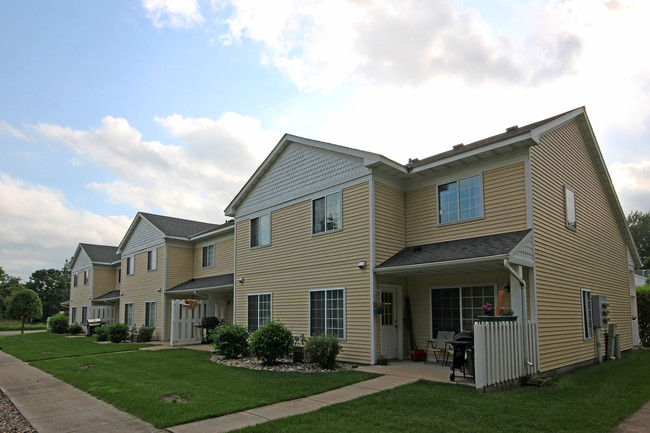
(74, 281)
(327, 312)
(326, 213)
(208, 256)
(150, 313)
(261, 231)
(587, 315)
(259, 310)
(570, 209)
(461, 200)
(152, 260)
(73, 315)
(84, 315)
(86, 277)
(128, 314)
(130, 265)
(119, 275)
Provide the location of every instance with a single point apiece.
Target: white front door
(389, 322)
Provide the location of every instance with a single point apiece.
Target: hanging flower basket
(497, 319)
(379, 310)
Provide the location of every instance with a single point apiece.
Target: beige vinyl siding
(593, 257)
(103, 281)
(224, 250)
(141, 287)
(389, 222)
(80, 295)
(297, 262)
(179, 265)
(504, 209)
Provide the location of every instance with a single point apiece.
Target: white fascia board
(75, 256)
(213, 233)
(129, 232)
(437, 265)
(536, 133)
(202, 289)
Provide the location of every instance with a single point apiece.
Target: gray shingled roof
(204, 283)
(462, 249)
(179, 227)
(115, 294)
(101, 253)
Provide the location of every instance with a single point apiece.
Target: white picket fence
(107, 313)
(499, 352)
(185, 320)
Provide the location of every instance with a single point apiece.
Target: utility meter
(600, 311)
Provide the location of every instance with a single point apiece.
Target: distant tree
(52, 287)
(639, 225)
(24, 305)
(8, 285)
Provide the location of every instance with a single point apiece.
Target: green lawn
(43, 345)
(15, 325)
(593, 399)
(136, 382)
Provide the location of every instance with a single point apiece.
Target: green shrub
(75, 329)
(643, 311)
(322, 349)
(271, 342)
(102, 333)
(229, 340)
(145, 334)
(59, 323)
(118, 332)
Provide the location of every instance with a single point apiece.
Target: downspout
(524, 310)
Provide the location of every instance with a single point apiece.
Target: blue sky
(110, 107)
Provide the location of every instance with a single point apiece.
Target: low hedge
(59, 323)
(271, 342)
(322, 349)
(230, 340)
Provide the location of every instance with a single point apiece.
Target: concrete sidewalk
(53, 406)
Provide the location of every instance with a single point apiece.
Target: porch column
(515, 293)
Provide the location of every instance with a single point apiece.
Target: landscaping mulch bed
(284, 365)
(11, 420)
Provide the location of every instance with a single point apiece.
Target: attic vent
(512, 128)
(458, 146)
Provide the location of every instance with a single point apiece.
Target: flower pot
(382, 361)
(497, 319)
(298, 354)
(379, 310)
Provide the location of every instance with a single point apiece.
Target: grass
(43, 345)
(16, 325)
(593, 399)
(136, 382)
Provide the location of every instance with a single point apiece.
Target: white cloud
(39, 230)
(173, 13)
(7, 129)
(632, 181)
(195, 180)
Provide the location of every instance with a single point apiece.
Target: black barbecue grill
(463, 358)
(91, 324)
(206, 324)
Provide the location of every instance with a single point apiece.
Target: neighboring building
(324, 233)
(640, 277)
(95, 283)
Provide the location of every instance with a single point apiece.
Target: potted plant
(505, 314)
(382, 360)
(488, 309)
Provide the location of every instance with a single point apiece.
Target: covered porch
(440, 288)
(106, 307)
(190, 302)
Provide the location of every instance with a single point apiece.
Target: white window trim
(587, 331)
(573, 227)
(75, 280)
(207, 264)
(73, 315)
(86, 278)
(311, 222)
(84, 312)
(345, 310)
(146, 305)
(250, 231)
(152, 264)
(258, 308)
(130, 265)
(460, 221)
(132, 314)
(460, 299)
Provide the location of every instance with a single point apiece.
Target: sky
(112, 107)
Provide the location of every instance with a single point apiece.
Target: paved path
(639, 422)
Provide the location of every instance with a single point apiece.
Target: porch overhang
(478, 254)
(215, 284)
(108, 298)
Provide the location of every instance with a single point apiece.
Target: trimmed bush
(271, 342)
(59, 323)
(118, 332)
(322, 349)
(643, 310)
(102, 333)
(230, 340)
(75, 329)
(145, 334)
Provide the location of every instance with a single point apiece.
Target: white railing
(499, 352)
(107, 313)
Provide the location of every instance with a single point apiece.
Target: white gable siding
(298, 171)
(144, 236)
(82, 262)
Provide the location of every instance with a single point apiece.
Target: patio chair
(441, 350)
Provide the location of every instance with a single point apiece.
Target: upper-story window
(130, 265)
(326, 213)
(208, 256)
(86, 277)
(261, 231)
(74, 281)
(460, 200)
(570, 208)
(152, 260)
(119, 275)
